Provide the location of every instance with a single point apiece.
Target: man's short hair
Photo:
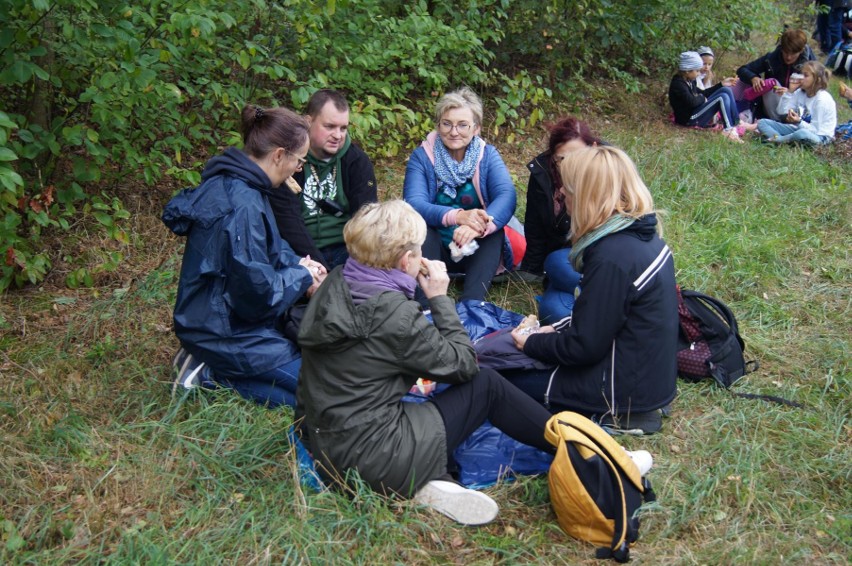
(319, 99)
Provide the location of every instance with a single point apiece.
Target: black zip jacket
(619, 353)
(772, 66)
(359, 186)
(685, 98)
(545, 232)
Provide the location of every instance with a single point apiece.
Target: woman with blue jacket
(462, 189)
(238, 276)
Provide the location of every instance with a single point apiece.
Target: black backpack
(709, 342)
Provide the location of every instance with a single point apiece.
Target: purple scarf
(366, 282)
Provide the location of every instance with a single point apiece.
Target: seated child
(706, 78)
(693, 107)
(810, 110)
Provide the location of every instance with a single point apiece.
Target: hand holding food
(529, 325)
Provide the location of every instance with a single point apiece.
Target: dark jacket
(359, 186)
(237, 275)
(544, 231)
(357, 363)
(619, 352)
(772, 66)
(686, 98)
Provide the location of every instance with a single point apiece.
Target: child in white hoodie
(810, 109)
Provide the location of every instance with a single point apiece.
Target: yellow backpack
(595, 487)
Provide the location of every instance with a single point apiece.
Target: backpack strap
(602, 440)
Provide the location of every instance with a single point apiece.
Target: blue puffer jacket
(238, 276)
(492, 182)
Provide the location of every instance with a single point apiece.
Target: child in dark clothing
(694, 107)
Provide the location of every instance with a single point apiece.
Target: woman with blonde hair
(616, 360)
(460, 186)
(365, 343)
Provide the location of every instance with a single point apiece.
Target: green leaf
(7, 154)
(15, 542)
(18, 72)
(244, 60)
(74, 135)
(103, 218)
(5, 122)
(10, 179)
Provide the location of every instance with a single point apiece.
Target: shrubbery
(98, 93)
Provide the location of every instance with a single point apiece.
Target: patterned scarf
(452, 174)
(615, 223)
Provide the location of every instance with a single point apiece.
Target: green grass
(99, 462)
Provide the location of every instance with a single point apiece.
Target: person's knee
(487, 382)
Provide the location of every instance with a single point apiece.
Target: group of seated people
(258, 246)
(782, 95)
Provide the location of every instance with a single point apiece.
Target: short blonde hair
(822, 77)
(461, 98)
(381, 232)
(603, 182)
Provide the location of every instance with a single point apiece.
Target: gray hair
(461, 98)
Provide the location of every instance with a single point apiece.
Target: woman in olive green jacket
(365, 343)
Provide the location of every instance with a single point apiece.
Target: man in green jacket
(337, 179)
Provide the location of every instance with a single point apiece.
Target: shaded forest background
(100, 99)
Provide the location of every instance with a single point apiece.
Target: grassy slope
(98, 459)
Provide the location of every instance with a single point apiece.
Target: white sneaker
(463, 505)
(642, 459)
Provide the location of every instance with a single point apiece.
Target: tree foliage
(96, 94)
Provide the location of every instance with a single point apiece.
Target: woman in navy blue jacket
(616, 360)
(238, 276)
(462, 189)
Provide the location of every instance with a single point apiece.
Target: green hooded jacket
(357, 364)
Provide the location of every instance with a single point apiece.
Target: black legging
(478, 268)
(489, 396)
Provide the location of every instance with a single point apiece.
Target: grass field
(100, 462)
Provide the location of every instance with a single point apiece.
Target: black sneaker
(633, 423)
(186, 370)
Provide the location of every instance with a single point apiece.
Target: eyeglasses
(446, 127)
(302, 161)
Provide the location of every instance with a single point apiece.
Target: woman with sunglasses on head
(547, 222)
(462, 189)
(238, 276)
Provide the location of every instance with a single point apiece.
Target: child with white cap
(694, 107)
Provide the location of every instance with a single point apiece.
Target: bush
(102, 95)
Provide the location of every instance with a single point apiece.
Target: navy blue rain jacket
(238, 276)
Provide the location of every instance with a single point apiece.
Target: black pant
(478, 268)
(489, 396)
